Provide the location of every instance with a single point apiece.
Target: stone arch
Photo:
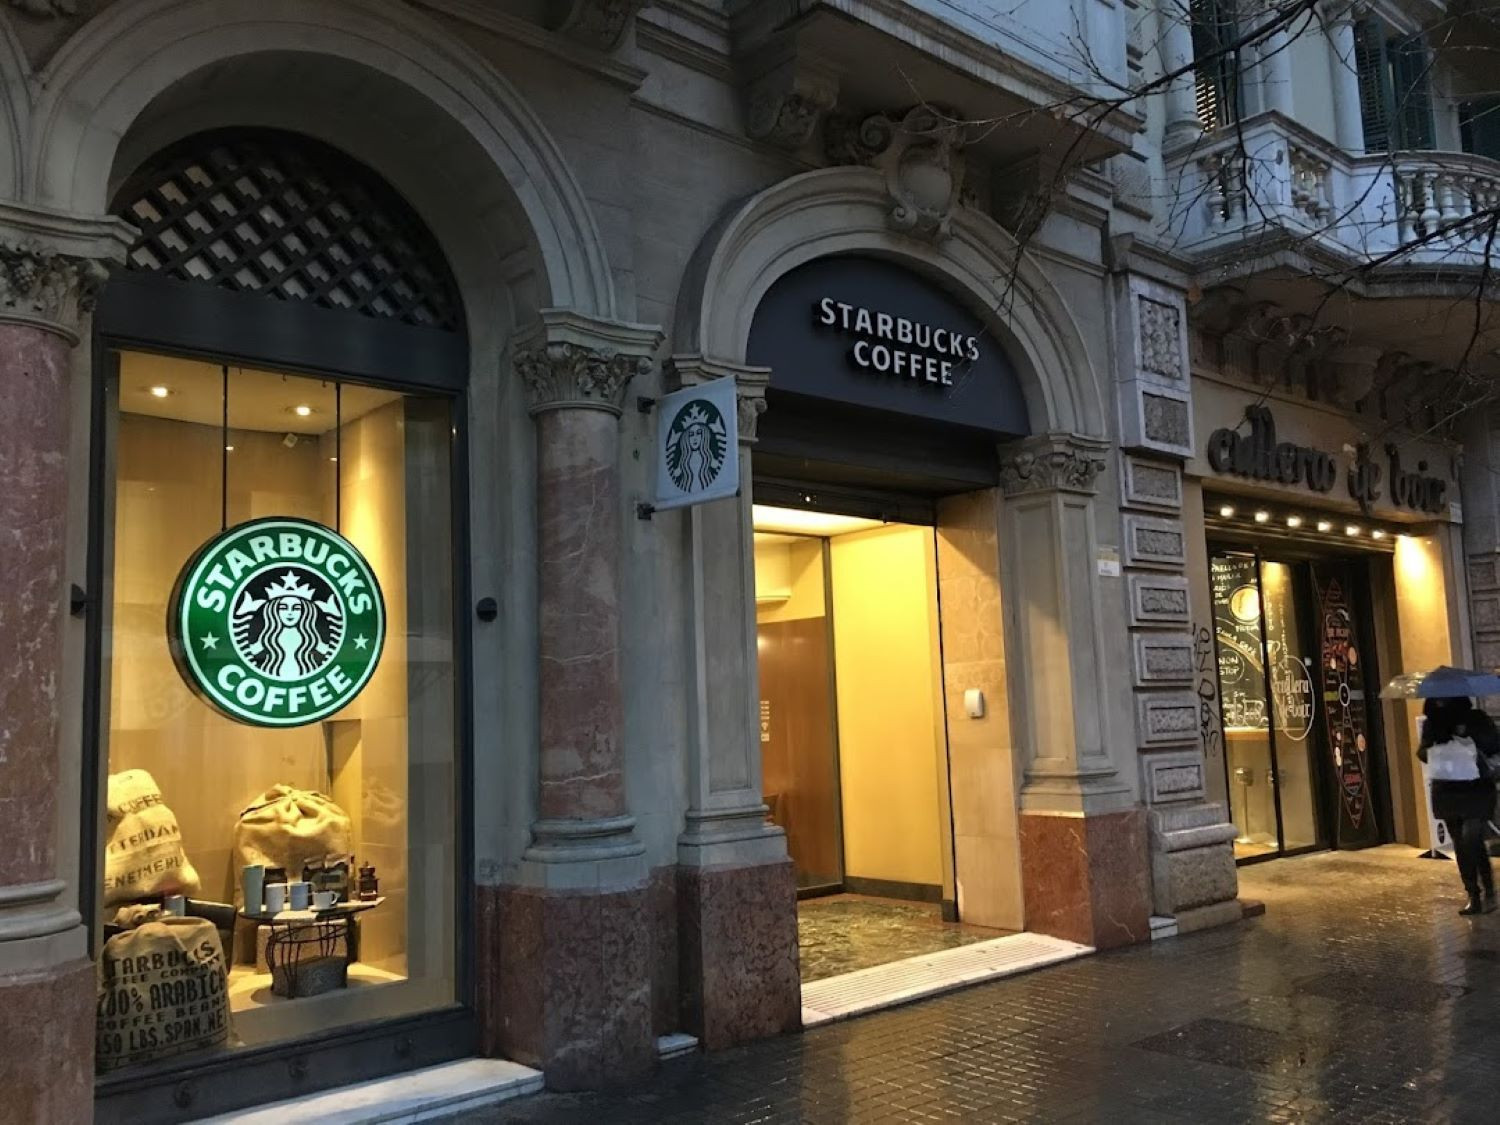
(844, 210)
(106, 76)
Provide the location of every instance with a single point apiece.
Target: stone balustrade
(1271, 181)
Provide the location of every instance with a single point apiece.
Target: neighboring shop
(1330, 562)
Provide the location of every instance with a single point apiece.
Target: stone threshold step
(417, 1095)
(916, 978)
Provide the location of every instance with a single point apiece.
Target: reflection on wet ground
(842, 933)
(1360, 996)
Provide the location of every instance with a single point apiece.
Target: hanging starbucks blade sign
(697, 454)
(277, 622)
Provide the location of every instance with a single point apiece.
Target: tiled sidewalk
(1360, 996)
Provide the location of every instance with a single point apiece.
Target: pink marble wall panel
(33, 513)
(1087, 879)
(47, 1045)
(578, 527)
(738, 935)
(568, 989)
(662, 904)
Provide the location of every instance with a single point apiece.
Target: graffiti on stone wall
(1204, 668)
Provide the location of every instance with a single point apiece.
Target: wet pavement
(843, 933)
(1360, 996)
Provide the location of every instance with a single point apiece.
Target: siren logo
(697, 445)
(277, 622)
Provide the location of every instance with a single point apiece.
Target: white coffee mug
(323, 900)
(299, 895)
(275, 898)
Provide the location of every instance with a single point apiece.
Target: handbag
(1457, 759)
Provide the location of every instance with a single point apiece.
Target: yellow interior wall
(890, 717)
(791, 567)
(210, 768)
(1422, 612)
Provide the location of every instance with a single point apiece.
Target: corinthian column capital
(573, 362)
(750, 385)
(52, 266)
(1052, 462)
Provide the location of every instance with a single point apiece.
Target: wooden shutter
(1216, 83)
(1374, 84)
(1411, 73)
(1479, 127)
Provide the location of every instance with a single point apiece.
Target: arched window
(277, 647)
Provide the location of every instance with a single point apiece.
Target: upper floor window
(1479, 126)
(1216, 62)
(1395, 88)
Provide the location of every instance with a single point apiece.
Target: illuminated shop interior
(1311, 607)
(197, 448)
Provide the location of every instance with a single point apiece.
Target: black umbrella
(1442, 683)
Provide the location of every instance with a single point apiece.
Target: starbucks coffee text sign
(277, 622)
(697, 445)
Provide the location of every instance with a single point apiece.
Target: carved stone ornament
(568, 376)
(47, 7)
(1161, 348)
(40, 286)
(596, 23)
(784, 105)
(1051, 463)
(921, 155)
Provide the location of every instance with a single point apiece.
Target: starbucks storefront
(277, 855)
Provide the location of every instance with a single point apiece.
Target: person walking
(1461, 749)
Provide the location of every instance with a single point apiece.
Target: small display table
(302, 947)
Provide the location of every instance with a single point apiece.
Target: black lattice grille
(273, 213)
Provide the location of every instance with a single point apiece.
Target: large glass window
(322, 852)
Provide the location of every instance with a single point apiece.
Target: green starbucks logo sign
(697, 444)
(277, 622)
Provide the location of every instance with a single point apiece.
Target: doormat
(915, 978)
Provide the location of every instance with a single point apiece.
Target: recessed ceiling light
(1262, 516)
(1294, 521)
(1325, 525)
(333, 458)
(229, 449)
(160, 391)
(1227, 511)
(302, 410)
(1352, 529)
(1377, 534)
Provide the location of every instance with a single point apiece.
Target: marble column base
(565, 983)
(737, 932)
(1087, 879)
(47, 1044)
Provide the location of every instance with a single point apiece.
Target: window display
(279, 730)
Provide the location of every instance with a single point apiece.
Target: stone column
(1349, 125)
(50, 271)
(1176, 39)
(572, 991)
(1083, 837)
(1193, 877)
(736, 887)
(1480, 490)
(1276, 72)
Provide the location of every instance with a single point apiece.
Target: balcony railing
(1271, 182)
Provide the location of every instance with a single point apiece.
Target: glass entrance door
(1270, 704)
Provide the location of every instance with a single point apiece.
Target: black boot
(1476, 903)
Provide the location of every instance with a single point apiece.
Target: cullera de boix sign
(1253, 452)
(277, 622)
